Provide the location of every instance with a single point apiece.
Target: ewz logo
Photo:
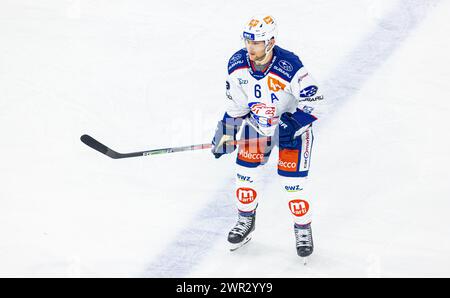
(244, 178)
(292, 188)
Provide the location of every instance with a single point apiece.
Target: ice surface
(139, 75)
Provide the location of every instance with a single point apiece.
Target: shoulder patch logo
(235, 58)
(286, 65)
(309, 91)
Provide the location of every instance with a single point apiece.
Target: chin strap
(267, 49)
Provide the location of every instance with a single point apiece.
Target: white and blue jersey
(284, 86)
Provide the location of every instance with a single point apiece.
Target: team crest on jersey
(261, 109)
(275, 85)
(263, 115)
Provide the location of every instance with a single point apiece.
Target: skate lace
(243, 225)
(303, 237)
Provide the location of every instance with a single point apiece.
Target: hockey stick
(96, 145)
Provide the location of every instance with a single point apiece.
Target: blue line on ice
(211, 223)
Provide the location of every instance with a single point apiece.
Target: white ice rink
(145, 74)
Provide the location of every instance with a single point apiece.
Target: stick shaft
(96, 145)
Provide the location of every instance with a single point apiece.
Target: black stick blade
(96, 145)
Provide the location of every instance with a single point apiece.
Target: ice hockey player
(275, 100)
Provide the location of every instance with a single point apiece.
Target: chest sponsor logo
(286, 65)
(279, 69)
(275, 84)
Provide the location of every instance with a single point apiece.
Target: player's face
(255, 50)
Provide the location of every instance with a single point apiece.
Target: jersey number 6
(257, 91)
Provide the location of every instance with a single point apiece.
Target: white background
(141, 75)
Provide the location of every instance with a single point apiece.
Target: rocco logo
(298, 207)
(246, 195)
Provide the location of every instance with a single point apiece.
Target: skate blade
(236, 246)
(305, 260)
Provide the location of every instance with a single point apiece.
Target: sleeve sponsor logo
(309, 91)
(228, 85)
(275, 85)
(286, 65)
(300, 78)
(316, 98)
(246, 195)
(298, 207)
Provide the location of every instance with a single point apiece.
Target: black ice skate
(304, 241)
(242, 231)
